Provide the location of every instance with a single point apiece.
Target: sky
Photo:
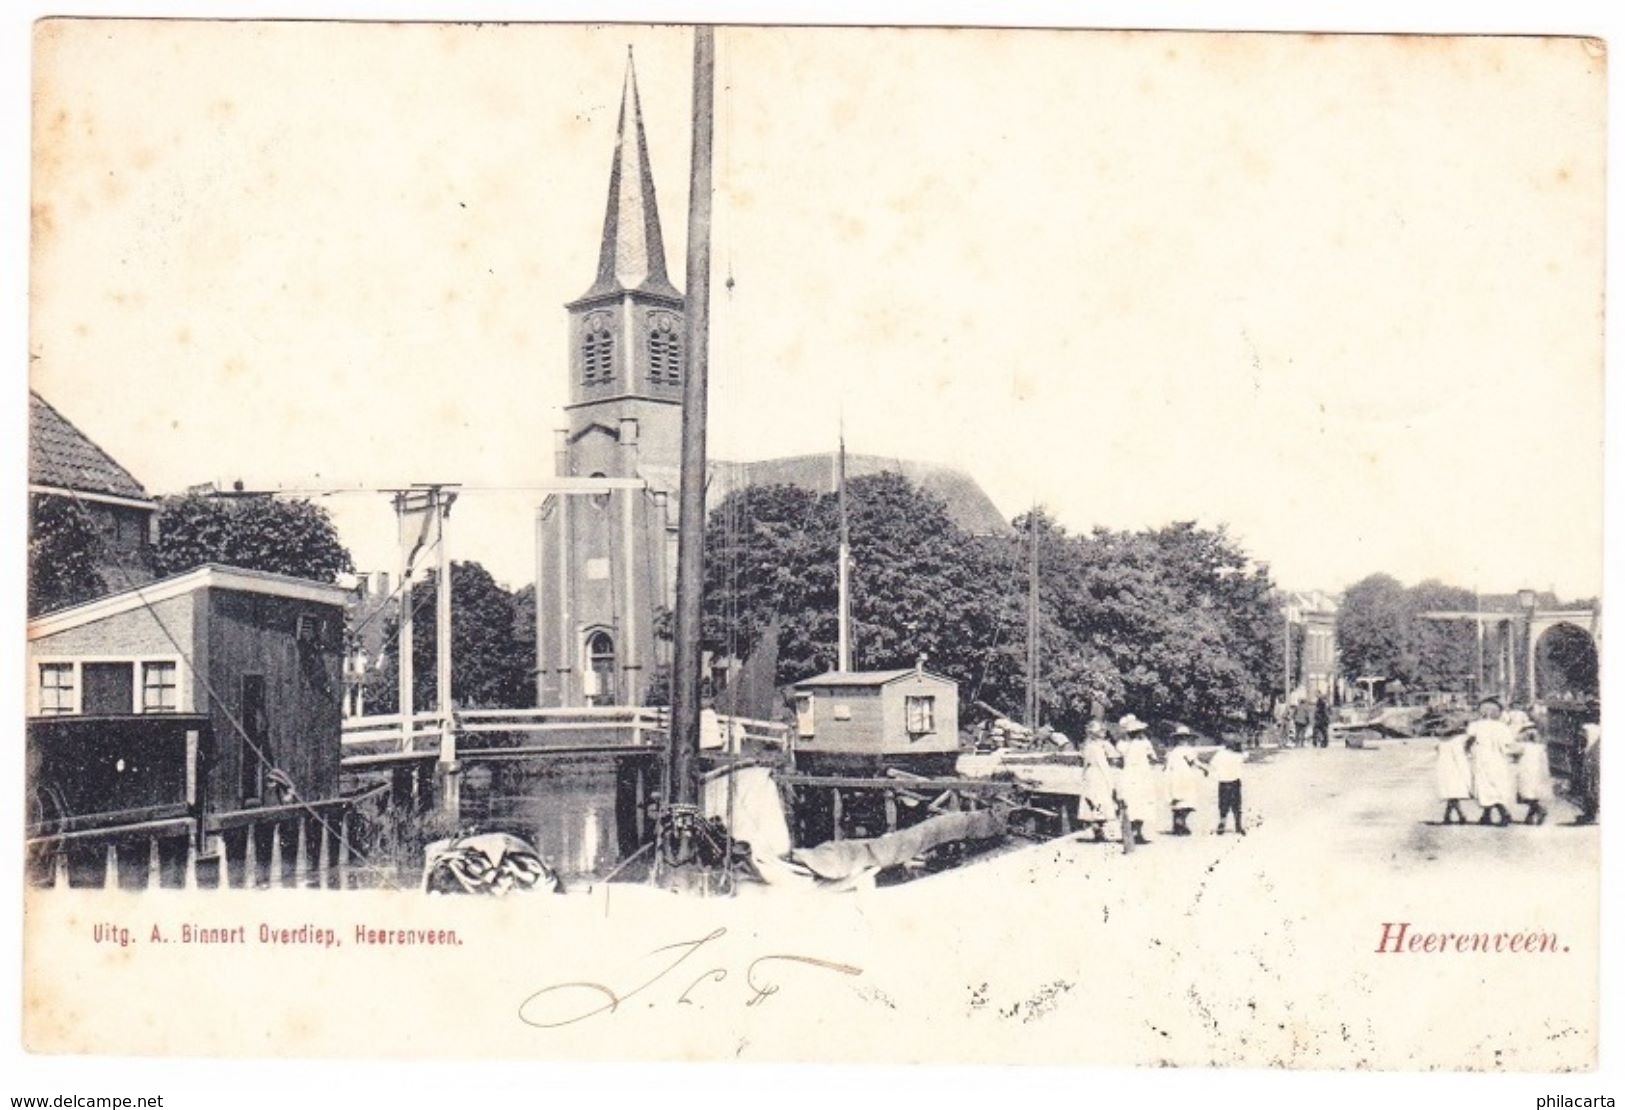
(1340, 295)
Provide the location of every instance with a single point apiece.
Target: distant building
(1315, 613)
(66, 468)
(606, 560)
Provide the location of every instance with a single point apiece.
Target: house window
(159, 690)
(804, 714)
(665, 350)
(56, 688)
(597, 352)
(600, 676)
(921, 714)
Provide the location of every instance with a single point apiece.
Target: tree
(296, 538)
(919, 584)
(1176, 622)
(492, 664)
(1373, 629)
(1382, 632)
(63, 545)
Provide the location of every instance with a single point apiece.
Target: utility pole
(403, 635)
(1032, 618)
(1286, 636)
(684, 740)
(442, 500)
(843, 649)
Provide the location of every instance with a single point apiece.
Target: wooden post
(403, 636)
(322, 859)
(301, 856)
(276, 882)
(684, 741)
(891, 811)
(155, 865)
(110, 876)
(344, 852)
(189, 880)
(251, 861)
(59, 870)
(442, 634)
(641, 797)
(835, 811)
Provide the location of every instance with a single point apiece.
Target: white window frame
(928, 704)
(74, 691)
(183, 682)
(806, 715)
(174, 685)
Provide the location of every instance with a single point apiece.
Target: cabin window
(804, 714)
(159, 689)
(109, 688)
(600, 676)
(921, 714)
(665, 351)
(597, 352)
(56, 689)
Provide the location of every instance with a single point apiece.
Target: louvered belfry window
(597, 352)
(665, 350)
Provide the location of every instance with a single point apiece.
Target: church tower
(604, 557)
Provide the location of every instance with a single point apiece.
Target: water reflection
(578, 813)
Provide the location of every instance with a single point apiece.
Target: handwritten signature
(567, 1003)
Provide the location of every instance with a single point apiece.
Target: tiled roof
(61, 455)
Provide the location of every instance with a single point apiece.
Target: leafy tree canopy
(296, 538)
(1176, 622)
(492, 657)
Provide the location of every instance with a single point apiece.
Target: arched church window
(600, 685)
(600, 500)
(597, 351)
(665, 350)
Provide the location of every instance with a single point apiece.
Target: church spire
(632, 256)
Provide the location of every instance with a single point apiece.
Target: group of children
(1120, 782)
(1479, 764)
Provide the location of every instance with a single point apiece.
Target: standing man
(1323, 722)
(1489, 743)
(1300, 721)
(1226, 768)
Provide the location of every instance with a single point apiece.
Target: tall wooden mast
(844, 568)
(681, 786)
(1032, 619)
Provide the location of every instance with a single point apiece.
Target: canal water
(580, 814)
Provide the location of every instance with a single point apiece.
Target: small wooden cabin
(240, 659)
(866, 720)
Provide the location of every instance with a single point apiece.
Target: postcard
(792, 544)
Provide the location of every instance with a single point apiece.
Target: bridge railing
(608, 726)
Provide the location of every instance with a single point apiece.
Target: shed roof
(61, 455)
(866, 678)
(210, 575)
